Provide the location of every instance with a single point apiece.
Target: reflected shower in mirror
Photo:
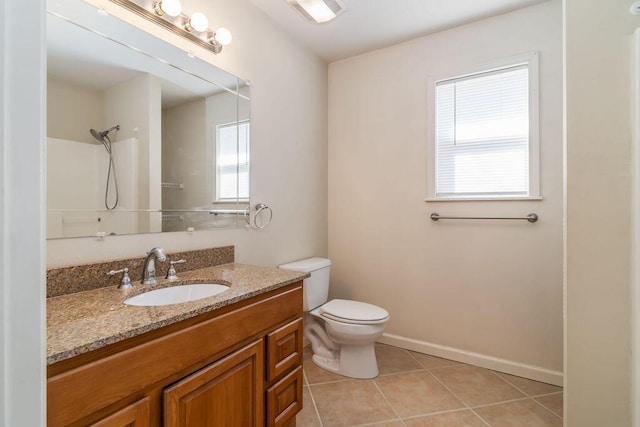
(137, 140)
(103, 137)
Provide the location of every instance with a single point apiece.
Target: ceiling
(372, 24)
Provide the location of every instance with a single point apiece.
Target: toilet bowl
(342, 332)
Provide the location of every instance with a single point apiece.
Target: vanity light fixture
(318, 11)
(197, 22)
(170, 7)
(222, 36)
(169, 15)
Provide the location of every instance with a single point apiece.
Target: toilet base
(354, 361)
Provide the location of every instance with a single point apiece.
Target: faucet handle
(171, 271)
(125, 283)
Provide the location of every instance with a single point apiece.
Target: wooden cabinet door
(226, 393)
(135, 415)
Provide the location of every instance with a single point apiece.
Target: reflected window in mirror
(232, 162)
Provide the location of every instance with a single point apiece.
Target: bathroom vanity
(234, 359)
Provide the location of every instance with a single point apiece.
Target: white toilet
(342, 333)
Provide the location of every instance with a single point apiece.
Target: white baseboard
(501, 365)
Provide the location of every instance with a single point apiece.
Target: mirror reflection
(136, 144)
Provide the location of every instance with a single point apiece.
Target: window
(232, 162)
(484, 139)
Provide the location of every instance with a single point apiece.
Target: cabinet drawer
(284, 349)
(135, 415)
(284, 399)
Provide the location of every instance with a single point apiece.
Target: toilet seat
(353, 312)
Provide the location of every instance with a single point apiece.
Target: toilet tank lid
(307, 265)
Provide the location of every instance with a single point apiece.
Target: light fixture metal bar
(141, 11)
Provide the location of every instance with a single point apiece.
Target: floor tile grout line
(377, 423)
(497, 374)
(547, 394)
(315, 407)
(515, 400)
(438, 368)
(384, 396)
(480, 416)
(402, 372)
(331, 382)
(500, 403)
(530, 396)
(548, 409)
(450, 391)
(435, 367)
(454, 363)
(414, 358)
(461, 401)
(447, 411)
(510, 383)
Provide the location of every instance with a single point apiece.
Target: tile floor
(417, 390)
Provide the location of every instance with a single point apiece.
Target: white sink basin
(177, 294)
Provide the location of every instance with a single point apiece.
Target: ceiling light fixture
(318, 11)
(168, 14)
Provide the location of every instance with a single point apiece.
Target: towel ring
(259, 208)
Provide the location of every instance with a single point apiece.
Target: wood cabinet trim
(137, 414)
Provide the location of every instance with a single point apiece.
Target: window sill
(231, 202)
(483, 199)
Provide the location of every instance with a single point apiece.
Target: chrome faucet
(149, 269)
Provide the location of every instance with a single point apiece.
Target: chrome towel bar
(531, 217)
(228, 212)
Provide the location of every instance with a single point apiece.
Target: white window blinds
(482, 135)
(232, 157)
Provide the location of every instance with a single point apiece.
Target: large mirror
(141, 137)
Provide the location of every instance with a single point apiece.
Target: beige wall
(72, 110)
(135, 105)
(598, 213)
(468, 290)
(184, 156)
(288, 147)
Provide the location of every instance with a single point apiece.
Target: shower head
(101, 135)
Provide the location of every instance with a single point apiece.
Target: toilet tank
(316, 287)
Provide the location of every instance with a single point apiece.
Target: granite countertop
(84, 321)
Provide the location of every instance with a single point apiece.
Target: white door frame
(22, 213)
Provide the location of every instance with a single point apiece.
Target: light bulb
(170, 7)
(222, 36)
(198, 22)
